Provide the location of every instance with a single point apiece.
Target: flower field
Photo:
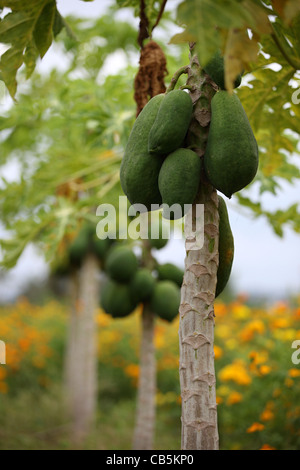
(258, 385)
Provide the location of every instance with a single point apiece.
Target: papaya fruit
(170, 272)
(161, 239)
(215, 69)
(79, 247)
(171, 123)
(101, 247)
(165, 300)
(139, 170)
(231, 155)
(121, 264)
(179, 180)
(116, 299)
(142, 285)
(226, 248)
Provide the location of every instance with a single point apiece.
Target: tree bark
(81, 354)
(196, 329)
(145, 416)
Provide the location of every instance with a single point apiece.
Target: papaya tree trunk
(196, 329)
(81, 355)
(145, 415)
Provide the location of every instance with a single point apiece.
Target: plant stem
(176, 76)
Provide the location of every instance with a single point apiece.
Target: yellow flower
(294, 372)
(255, 326)
(220, 309)
(234, 397)
(255, 427)
(241, 311)
(267, 415)
(218, 352)
(235, 372)
(132, 370)
(265, 369)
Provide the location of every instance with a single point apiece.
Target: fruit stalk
(196, 329)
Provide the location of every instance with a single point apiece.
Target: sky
(264, 264)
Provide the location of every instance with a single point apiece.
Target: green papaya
(116, 299)
(170, 272)
(79, 247)
(156, 236)
(215, 69)
(121, 264)
(101, 247)
(226, 248)
(171, 123)
(142, 285)
(179, 180)
(165, 300)
(139, 170)
(231, 155)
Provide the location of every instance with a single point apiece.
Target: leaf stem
(162, 8)
(288, 58)
(176, 76)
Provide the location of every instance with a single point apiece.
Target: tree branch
(161, 11)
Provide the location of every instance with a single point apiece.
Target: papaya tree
(134, 280)
(212, 125)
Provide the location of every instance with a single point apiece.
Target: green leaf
(43, 34)
(33, 20)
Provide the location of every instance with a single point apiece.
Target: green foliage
(226, 248)
(231, 155)
(215, 69)
(171, 123)
(29, 30)
(181, 166)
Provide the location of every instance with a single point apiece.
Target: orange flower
(3, 387)
(267, 414)
(235, 372)
(267, 447)
(234, 397)
(255, 427)
(132, 370)
(220, 309)
(294, 372)
(218, 352)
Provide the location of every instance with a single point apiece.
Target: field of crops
(258, 383)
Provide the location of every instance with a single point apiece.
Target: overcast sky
(264, 264)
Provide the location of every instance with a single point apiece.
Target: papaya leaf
(43, 30)
(207, 21)
(30, 25)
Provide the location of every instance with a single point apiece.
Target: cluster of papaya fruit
(129, 284)
(159, 168)
(84, 243)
